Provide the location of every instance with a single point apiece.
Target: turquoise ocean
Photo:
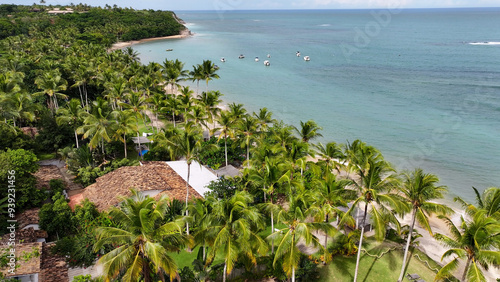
(421, 85)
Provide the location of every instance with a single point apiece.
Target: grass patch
(385, 268)
(185, 258)
(46, 156)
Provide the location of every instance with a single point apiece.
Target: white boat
(267, 63)
(298, 53)
(223, 59)
(269, 55)
(306, 58)
(241, 56)
(256, 59)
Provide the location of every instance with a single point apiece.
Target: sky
(177, 5)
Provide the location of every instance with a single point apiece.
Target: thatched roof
(156, 177)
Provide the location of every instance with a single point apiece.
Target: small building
(57, 11)
(152, 179)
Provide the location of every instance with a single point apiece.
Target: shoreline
(123, 44)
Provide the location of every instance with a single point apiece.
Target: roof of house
(199, 178)
(45, 173)
(53, 266)
(228, 170)
(155, 177)
(26, 264)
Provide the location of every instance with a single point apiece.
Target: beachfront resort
(115, 170)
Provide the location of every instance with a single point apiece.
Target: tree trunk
(187, 197)
(326, 235)
(360, 243)
(224, 274)
(125, 144)
(466, 268)
(293, 273)
(225, 147)
(272, 231)
(248, 155)
(146, 271)
(173, 118)
(81, 96)
(76, 138)
(401, 275)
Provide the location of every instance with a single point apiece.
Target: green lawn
(386, 268)
(47, 156)
(185, 258)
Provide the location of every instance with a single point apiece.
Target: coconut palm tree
(237, 111)
(264, 117)
(198, 116)
(208, 71)
(51, 83)
(374, 185)
(476, 240)
(487, 203)
(97, 124)
(125, 124)
(419, 189)
(196, 74)
(172, 105)
(116, 91)
(308, 130)
(247, 127)
(210, 101)
(71, 115)
(331, 155)
(143, 240)
(226, 122)
(268, 177)
(188, 144)
(298, 230)
(234, 224)
(331, 194)
(186, 99)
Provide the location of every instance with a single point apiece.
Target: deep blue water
(408, 82)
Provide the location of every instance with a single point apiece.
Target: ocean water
(422, 85)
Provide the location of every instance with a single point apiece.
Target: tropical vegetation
(297, 206)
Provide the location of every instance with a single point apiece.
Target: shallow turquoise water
(408, 82)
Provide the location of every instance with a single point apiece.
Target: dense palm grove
(87, 102)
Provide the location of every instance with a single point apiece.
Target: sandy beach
(121, 45)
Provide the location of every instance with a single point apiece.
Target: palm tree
(196, 74)
(210, 101)
(247, 127)
(477, 241)
(487, 203)
(198, 116)
(298, 230)
(271, 174)
(419, 189)
(330, 195)
(116, 91)
(97, 124)
(208, 71)
(331, 155)
(234, 224)
(186, 99)
(71, 115)
(374, 187)
(226, 122)
(308, 130)
(125, 124)
(188, 144)
(264, 117)
(143, 239)
(236, 110)
(172, 105)
(51, 84)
